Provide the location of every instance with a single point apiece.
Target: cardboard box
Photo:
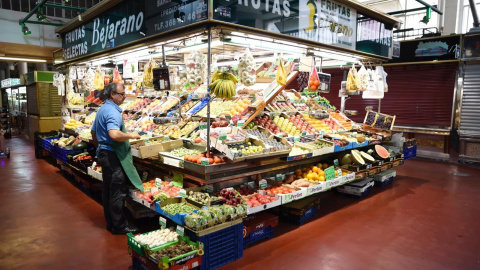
(320, 187)
(322, 151)
(177, 218)
(358, 188)
(385, 176)
(139, 211)
(256, 209)
(334, 182)
(147, 148)
(297, 157)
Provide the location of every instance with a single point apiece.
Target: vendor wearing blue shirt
(114, 156)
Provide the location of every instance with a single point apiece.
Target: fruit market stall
(224, 134)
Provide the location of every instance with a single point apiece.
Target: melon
(381, 151)
(357, 158)
(346, 160)
(367, 157)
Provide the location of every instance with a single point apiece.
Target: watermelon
(381, 152)
(80, 146)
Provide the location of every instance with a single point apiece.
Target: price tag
(180, 230)
(144, 176)
(222, 136)
(339, 172)
(203, 125)
(183, 193)
(280, 135)
(280, 177)
(330, 173)
(209, 188)
(335, 162)
(240, 123)
(154, 190)
(177, 179)
(230, 188)
(304, 133)
(163, 222)
(204, 161)
(158, 182)
(296, 139)
(262, 184)
(369, 166)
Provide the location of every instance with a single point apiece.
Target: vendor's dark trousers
(114, 189)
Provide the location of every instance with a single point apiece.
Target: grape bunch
(302, 79)
(370, 119)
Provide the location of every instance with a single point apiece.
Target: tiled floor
(427, 219)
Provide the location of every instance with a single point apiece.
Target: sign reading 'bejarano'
(130, 21)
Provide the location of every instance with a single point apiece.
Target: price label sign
(158, 182)
(177, 179)
(296, 139)
(204, 161)
(209, 188)
(335, 162)
(163, 222)
(180, 230)
(203, 125)
(183, 193)
(262, 184)
(330, 173)
(241, 123)
(222, 136)
(304, 133)
(280, 177)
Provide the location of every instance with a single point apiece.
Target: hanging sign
(128, 22)
(322, 21)
(10, 82)
(130, 68)
(374, 38)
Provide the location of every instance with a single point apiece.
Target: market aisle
(47, 223)
(428, 219)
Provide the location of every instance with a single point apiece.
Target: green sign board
(130, 21)
(373, 37)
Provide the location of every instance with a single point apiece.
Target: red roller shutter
(419, 95)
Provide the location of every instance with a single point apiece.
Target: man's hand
(134, 135)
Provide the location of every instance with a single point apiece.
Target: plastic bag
(352, 79)
(281, 74)
(98, 83)
(381, 78)
(313, 81)
(363, 76)
(372, 91)
(117, 78)
(246, 69)
(148, 73)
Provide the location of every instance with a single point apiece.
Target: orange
(321, 172)
(310, 176)
(317, 83)
(321, 178)
(324, 166)
(313, 87)
(315, 169)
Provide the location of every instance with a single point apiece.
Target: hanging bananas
(223, 84)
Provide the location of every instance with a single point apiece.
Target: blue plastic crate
(384, 183)
(260, 234)
(365, 193)
(220, 247)
(47, 143)
(61, 153)
(300, 220)
(409, 152)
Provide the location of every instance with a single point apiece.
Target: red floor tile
(427, 219)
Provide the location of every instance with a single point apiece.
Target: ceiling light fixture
(25, 30)
(22, 59)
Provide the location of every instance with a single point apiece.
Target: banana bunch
(223, 84)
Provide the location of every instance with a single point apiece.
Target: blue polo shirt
(109, 116)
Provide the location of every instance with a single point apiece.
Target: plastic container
(221, 247)
(409, 152)
(260, 234)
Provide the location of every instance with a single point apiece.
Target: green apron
(124, 154)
